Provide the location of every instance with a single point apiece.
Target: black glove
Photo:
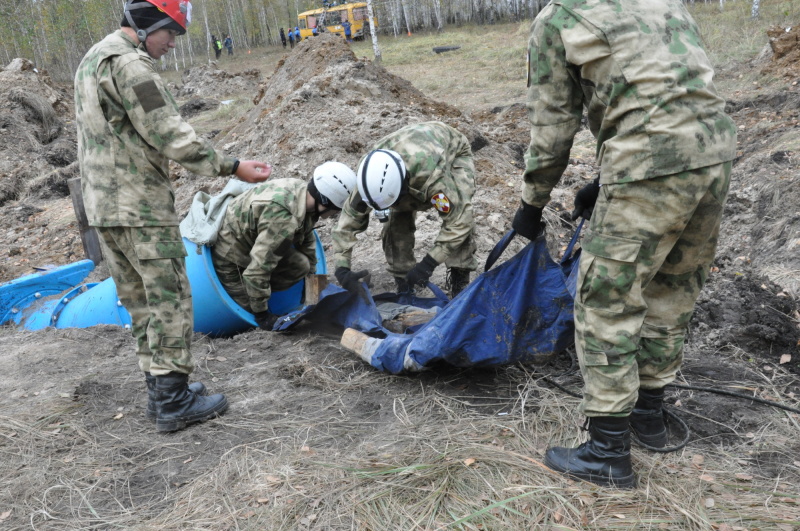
(265, 320)
(528, 221)
(585, 200)
(421, 272)
(351, 281)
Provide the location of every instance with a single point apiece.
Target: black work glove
(528, 221)
(351, 281)
(421, 272)
(585, 200)
(265, 320)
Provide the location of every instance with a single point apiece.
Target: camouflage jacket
(128, 130)
(640, 70)
(260, 226)
(428, 150)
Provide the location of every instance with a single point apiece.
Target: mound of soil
(785, 45)
(208, 81)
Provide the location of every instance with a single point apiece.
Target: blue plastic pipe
(82, 306)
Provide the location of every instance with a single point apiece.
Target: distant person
(267, 243)
(348, 33)
(297, 38)
(665, 147)
(291, 39)
(315, 31)
(418, 167)
(229, 44)
(217, 46)
(283, 39)
(129, 128)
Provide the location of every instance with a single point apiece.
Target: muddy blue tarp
(520, 311)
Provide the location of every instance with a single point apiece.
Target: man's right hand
(351, 281)
(528, 221)
(253, 171)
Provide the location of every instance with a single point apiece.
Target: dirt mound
(208, 81)
(785, 45)
(38, 154)
(323, 103)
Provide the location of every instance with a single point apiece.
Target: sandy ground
(78, 452)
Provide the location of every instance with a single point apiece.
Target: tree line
(55, 34)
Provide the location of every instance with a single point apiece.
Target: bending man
(418, 167)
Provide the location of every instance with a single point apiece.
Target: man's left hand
(421, 272)
(266, 320)
(253, 171)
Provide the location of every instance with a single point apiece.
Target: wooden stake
(89, 238)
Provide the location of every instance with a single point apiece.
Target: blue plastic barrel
(215, 312)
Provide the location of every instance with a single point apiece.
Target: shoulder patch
(441, 203)
(149, 96)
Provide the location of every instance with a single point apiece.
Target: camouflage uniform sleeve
(353, 220)
(276, 228)
(154, 114)
(555, 106)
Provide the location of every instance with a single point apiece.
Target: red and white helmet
(178, 11)
(381, 178)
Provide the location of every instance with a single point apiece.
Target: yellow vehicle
(331, 19)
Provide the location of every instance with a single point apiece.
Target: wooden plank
(314, 286)
(89, 238)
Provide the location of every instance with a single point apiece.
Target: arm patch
(149, 96)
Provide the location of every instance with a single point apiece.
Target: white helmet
(381, 178)
(334, 181)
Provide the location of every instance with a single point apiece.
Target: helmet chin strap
(142, 34)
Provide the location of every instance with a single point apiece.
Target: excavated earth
(323, 103)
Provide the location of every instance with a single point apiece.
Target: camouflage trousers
(290, 270)
(645, 258)
(147, 265)
(398, 241)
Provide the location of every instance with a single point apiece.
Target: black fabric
(265, 320)
(605, 459)
(421, 273)
(528, 221)
(585, 200)
(147, 16)
(177, 407)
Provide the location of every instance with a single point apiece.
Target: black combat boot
(177, 407)
(196, 387)
(605, 459)
(401, 284)
(457, 280)
(647, 418)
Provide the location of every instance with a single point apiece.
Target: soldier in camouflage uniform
(430, 167)
(664, 145)
(267, 237)
(128, 130)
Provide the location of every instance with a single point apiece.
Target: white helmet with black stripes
(381, 178)
(334, 181)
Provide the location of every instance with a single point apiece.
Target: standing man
(418, 167)
(291, 39)
(348, 32)
(229, 44)
(283, 39)
(297, 38)
(217, 46)
(129, 129)
(664, 145)
(267, 241)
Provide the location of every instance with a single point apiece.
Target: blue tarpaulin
(520, 311)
